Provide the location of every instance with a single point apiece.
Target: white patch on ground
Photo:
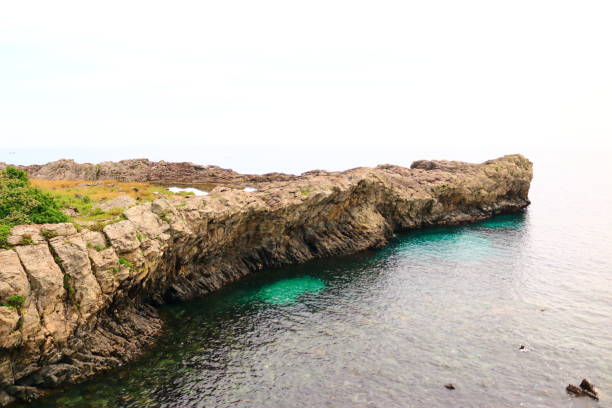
(193, 190)
(250, 189)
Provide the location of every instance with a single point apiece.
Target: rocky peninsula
(78, 300)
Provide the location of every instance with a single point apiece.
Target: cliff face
(143, 170)
(88, 297)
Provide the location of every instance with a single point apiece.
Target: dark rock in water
(586, 385)
(5, 399)
(24, 393)
(572, 389)
(586, 389)
(449, 386)
(522, 347)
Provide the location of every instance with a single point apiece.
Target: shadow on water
(336, 330)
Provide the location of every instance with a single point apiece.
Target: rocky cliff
(143, 170)
(78, 302)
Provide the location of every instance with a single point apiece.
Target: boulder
(13, 279)
(9, 335)
(93, 239)
(122, 236)
(122, 202)
(47, 282)
(5, 399)
(72, 252)
(25, 235)
(145, 220)
(105, 266)
(58, 230)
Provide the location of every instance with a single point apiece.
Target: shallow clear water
(388, 328)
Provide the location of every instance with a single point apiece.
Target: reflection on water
(386, 328)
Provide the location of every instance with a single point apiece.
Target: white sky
(507, 74)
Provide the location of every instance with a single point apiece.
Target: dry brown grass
(102, 189)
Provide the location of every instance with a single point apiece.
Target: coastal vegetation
(33, 201)
(23, 203)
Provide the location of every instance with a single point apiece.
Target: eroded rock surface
(144, 170)
(88, 296)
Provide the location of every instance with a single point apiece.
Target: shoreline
(174, 251)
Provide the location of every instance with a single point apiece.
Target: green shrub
(98, 226)
(48, 234)
(20, 203)
(5, 231)
(70, 291)
(97, 211)
(14, 302)
(125, 262)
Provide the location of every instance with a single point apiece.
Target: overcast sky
(507, 74)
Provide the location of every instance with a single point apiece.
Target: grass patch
(70, 291)
(14, 302)
(164, 216)
(48, 235)
(125, 263)
(5, 231)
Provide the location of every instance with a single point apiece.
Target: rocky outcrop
(143, 170)
(78, 302)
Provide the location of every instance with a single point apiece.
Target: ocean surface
(390, 327)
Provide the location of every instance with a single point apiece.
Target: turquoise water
(286, 291)
(389, 327)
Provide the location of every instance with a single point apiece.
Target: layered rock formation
(88, 297)
(143, 170)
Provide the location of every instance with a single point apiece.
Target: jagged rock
(145, 220)
(58, 230)
(106, 267)
(6, 371)
(72, 252)
(5, 399)
(449, 386)
(146, 171)
(25, 393)
(13, 279)
(586, 385)
(96, 313)
(52, 375)
(169, 213)
(586, 389)
(25, 235)
(122, 236)
(9, 336)
(122, 202)
(47, 281)
(94, 239)
(70, 212)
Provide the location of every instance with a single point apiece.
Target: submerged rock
(85, 297)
